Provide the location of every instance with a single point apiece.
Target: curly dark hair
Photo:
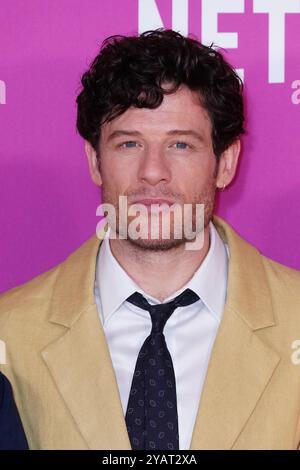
(130, 71)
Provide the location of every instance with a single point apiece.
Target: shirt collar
(113, 285)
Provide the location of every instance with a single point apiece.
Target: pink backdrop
(48, 203)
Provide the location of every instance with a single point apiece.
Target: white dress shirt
(190, 331)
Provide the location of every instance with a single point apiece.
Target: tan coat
(65, 387)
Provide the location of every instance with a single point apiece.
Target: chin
(156, 245)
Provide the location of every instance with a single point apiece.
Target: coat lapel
(79, 361)
(80, 364)
(241, 364)
(240, 368)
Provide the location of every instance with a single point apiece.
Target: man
(12, 435)
(151, 342)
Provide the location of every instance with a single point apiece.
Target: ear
(228, 164)
(93, 163)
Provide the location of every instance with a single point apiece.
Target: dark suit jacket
(12, 435)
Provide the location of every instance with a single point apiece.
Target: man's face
(143, 158)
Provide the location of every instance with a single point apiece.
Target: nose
(154, 168)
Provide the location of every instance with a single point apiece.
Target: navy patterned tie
(151, 416)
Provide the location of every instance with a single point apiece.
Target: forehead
(180, 110)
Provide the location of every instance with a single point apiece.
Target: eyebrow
(188, 132)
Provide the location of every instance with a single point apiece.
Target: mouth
(150, 201)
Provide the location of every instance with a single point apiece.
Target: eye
(182, 145)
(130, 142)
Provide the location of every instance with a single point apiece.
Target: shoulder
(259, 275)
(279, 273)
(34, 292)
(250, 254)
(34, 296)
(284, 285)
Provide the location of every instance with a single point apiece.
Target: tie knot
(160, 313)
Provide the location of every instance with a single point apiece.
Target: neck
(163, 272)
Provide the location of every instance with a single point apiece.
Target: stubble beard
(205, 197)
